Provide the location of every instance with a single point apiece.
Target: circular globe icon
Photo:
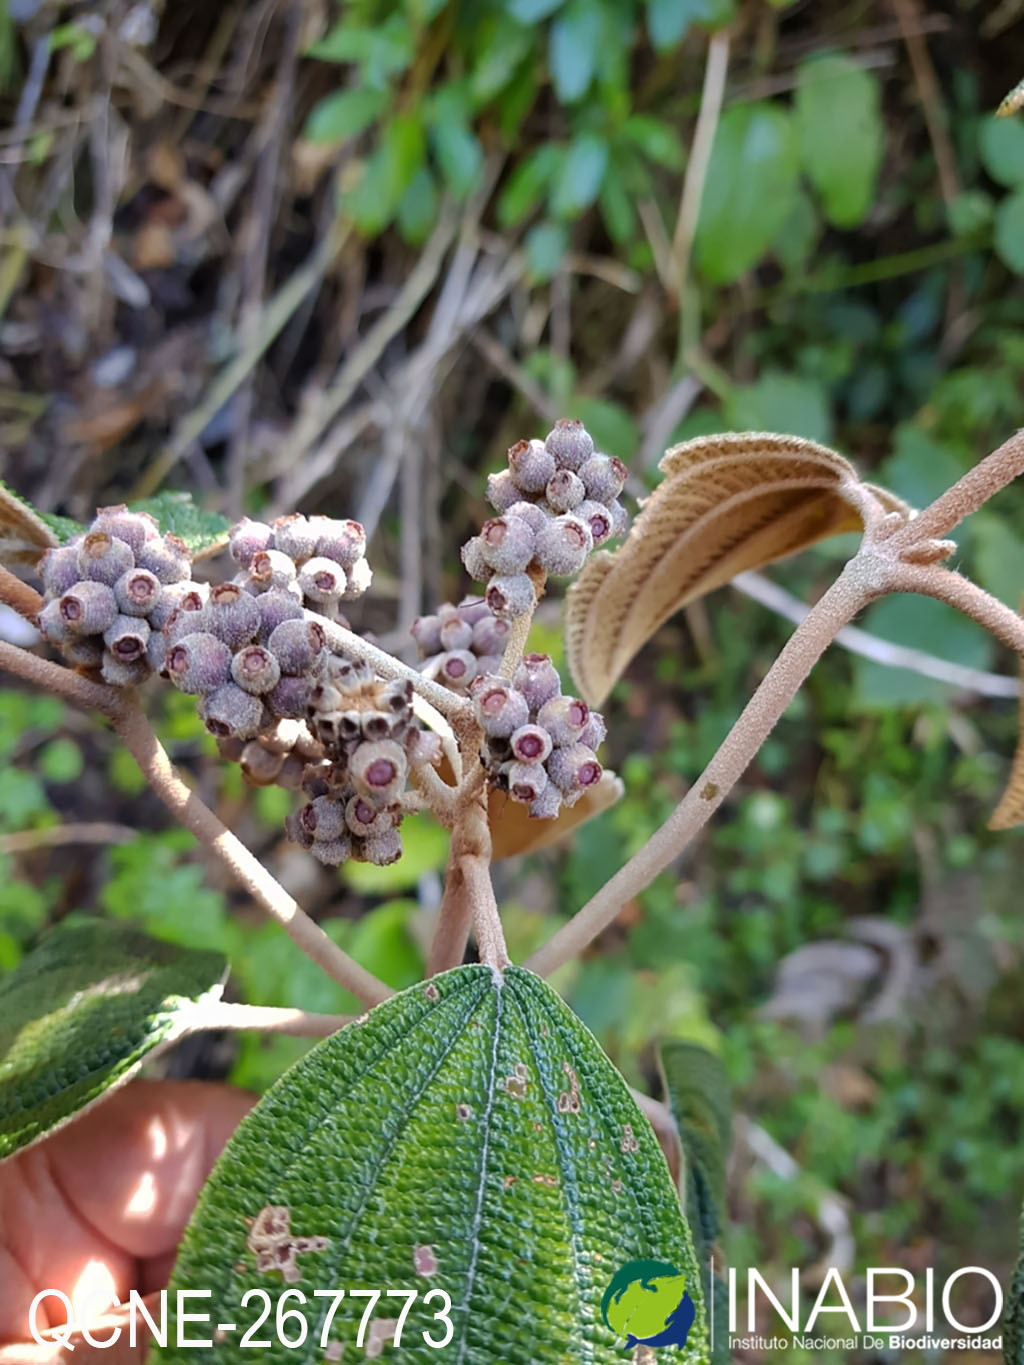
(647, 1304)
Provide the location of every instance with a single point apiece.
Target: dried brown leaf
(513, 831)
(726, 503)
(1010, 811)
(24, 535)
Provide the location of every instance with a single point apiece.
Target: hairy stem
(19, 596)
(220, 1014)
(979, 484)
(515, 645)
(143, 745)
(55, 678)
(851, 591)
(948, 586)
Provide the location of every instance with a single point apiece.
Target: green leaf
(1009, 234)
(417, 208)
(502, 46)
(617, 207)
(998, 556)
(749, 192)
(658, 141)
(458, 152)
(528, 183)
(921, 623)
(920, 467)
(80, 1013)
(530, 11)
(580, 176)
(614, 430)
(380, 52)
(573, 48)
(782, 402)
(344, 114)
(382, 942)
(469, 1137)
(203, 532)
(698, 1092)
(424, 849)
(841, 134)
(1001, 143)
(388, 173)
(669, 20)
(545, 245)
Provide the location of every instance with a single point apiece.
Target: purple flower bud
(456, 633)
(537, 679)
(507, 544)
(475, 560)
(324, 818)
(103, 558)
(530, 465)
(51, 624)
(595, 731)
(228, 711)
(501, 491)
(126, 638)
(296, 645)
(276, 607)
(426, 631)
(290, 776)
(296, 536)
(603, 477)
(177, 597)
(457, 669)
(358, 579)
(473, 609)
(123, 672)
(381, 849)
(365, 820)
(510, 595)
(322, 580)
(422, 748)
(530, 744)
(620, 519)
(548, 804)
(294, 827)
(260, 767)
(88, 608)
(331, 852)
(198, 663)
(137, 592)
(271, 569)
(564, 718)
(232, 615)
(565, 490)
(490, 635)
(156, 651)
(342, 541)
(248, 538)
(563, 545)
(574, 769)
(533, 513)
(499, 708)
(526, 781)
(59, 569)
(569, 443)
(134, 528)
(167, 557)
(255, 669)
(599, 518)
(378, 770)
(289, 698)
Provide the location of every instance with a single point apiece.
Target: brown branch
(979, 484)
(59, 836)
(220, 1014)
(931, 580)
(63, 682)
(19, 596)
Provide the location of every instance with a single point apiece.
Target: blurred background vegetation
(335, 258)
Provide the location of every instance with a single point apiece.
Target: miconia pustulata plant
(462, 1160)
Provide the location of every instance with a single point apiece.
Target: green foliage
(79, 1014)
(407, 1145)
(840, 133)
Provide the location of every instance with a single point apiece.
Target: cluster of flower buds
(457, 644)
(370, 743)
(109, 591)
(319, 561)
(557, 500)
(278, 757)
(540, 745)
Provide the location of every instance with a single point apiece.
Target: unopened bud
(260, 767)
(595, 731)
(563, 545)
(511, 595)
(422, 748)
(274, 607)
(88, 608)
(570, 443)
(331, 852)
(426, 631)
(255, 669)
(134, 528)
(137, 592)
(247, 538)
(526, 781)
(58, 569)
(321, 580)
(532, 513)
(175, 597)
(502, 491)
(289, 698)
(324, 818)
(565, 490)
(123, 672)
(365, 820)
(537, 679)
(381, 849)
(342, 541)
(358, 579)
(599, 518)
(490, 635)
(564, 718)
(197, 663)
(530, 744)
(574, 769)
(232, 615)
(499, 708)
(83, 651)
(457, 669)
(296, 535)
(378, 770)
(294, 828)
(507, 543)
(620, 519)
(271, 569)
(603, 477)
(290, 776)
(167, 557)
(51, 624)
(156, 651)
(473, 609)
(103, 558)
(230, 711)
(126, 638)
(548, 804)
(296, 645)
(530, 465)
(475, 560)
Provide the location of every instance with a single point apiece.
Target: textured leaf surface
(1013, 1318)
(80, 1013)
(24, 532)
(469, 1136)
(726, 503)
(1010, 811)
(698, 1092)
(203, 532)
